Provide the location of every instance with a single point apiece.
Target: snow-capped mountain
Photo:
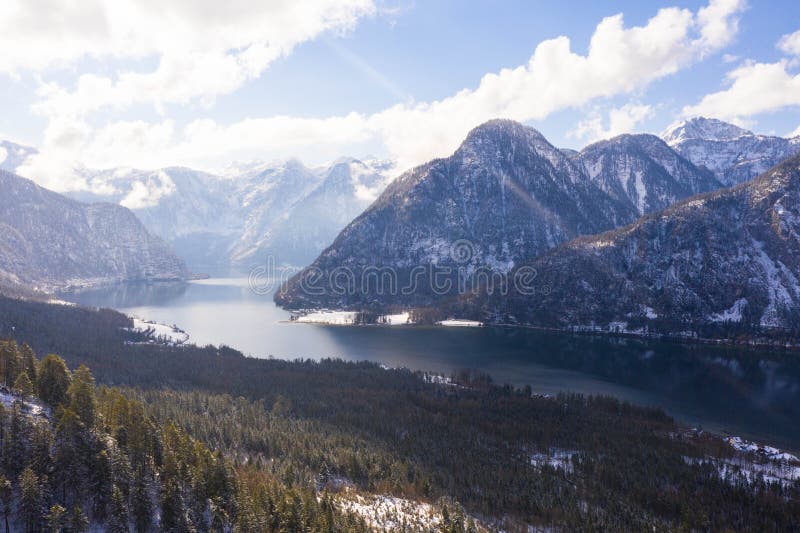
(264, 197)
(733, 154)
(307, 226)
(49, 241)
(12, 155)
(727, 257)
(504, 196)
(235, 220)
(643, 171)
(195, 212)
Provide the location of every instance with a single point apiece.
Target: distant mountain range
(283, 210)
(733, 154)
(48, 241)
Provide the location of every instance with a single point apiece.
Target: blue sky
(199, 83)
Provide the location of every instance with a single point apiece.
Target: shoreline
(761, 344)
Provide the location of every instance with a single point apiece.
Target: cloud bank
(620, 60)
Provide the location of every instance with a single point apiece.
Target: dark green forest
(185, 438)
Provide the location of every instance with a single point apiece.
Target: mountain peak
(501, 127)
(709, 129)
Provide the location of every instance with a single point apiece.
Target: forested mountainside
(270, 445)
(505, 195)
(730, 257)
(79, 458)
(733, 154)
(49, 241)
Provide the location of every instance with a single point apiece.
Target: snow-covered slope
(49, 241)
(306, 227)
(195, 212)
(733, 154)
(236, 220)
(504, 196)
(264, 197)
(728, 256)
(643, 171)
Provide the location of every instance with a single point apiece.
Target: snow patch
(460, 323)
(390, 513)
(732, 314)
(555, 458)
(160, 332)
(8, 399)
(398, 319)
(338, 318)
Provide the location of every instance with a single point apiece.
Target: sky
(203, 83)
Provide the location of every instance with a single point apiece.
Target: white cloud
(790, 44)
(46, 33)
(620, 120)
(754, 88)
(717, 27)
(203, 48)
(795, 133)
(619, 61)
(147, 192)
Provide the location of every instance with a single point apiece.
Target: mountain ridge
(53, 242)
(725, 257)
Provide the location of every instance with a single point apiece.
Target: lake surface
(753, 394)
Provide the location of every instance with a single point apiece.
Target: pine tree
(28, 360)
(55, 518)
(71, 451)
(118, 514)
(9, 362)
(30, 501)
(81, 396)
(23, 385)
(5, 499)
(14, 443)
(54, 380)
(141, 505)
(78, 522)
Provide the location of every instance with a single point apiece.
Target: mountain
(726, 257)
(196, 213)
(264, 197)
(733, 154)
(643, 171)
(235, 220)
(49, 241)
(12, 155)
(305, 228)
(504, 196)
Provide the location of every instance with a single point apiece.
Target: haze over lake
(748, 393)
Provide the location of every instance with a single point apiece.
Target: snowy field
(160, 332)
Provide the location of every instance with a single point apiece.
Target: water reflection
(750, 393)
